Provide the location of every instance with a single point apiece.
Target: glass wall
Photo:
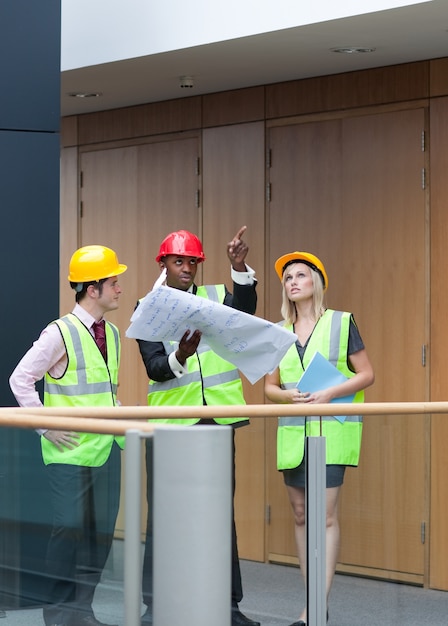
(192, 556)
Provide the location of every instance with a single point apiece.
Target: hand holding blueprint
(254, 345)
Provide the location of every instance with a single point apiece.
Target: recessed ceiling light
(85, 94)
(352, 50)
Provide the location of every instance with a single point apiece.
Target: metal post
(132, 529)
(315, 530)
(192, 525)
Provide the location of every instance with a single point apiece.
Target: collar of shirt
(84, 316)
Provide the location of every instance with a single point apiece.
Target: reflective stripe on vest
(86, 382)
(330, 338)
(208, 374)
(195, 377)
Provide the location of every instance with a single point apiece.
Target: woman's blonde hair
(289, 311)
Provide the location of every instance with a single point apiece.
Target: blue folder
(321, 374)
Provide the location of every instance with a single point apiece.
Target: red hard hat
(181, 243)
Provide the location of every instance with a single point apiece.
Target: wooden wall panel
(439, 342)
(397, 83)
(168, 186)
(438, 77)
(233, 107)
(69, 131)
(148, 119)
(233, 196)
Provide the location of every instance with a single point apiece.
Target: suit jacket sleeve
(244, 298)
(155, 359)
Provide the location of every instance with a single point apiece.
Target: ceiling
(399, 36)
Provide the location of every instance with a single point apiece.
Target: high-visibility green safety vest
(343, 439)
(207, 372)
(87, 382)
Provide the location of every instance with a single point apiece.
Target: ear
(162, 265)
(92, 290)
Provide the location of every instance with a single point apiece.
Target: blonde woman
(335, 335)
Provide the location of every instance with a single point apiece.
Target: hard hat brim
(305, 257)
(88, 279)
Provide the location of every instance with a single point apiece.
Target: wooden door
(439, 343)
(304, 181)
(385, 254)
(132, 197)
(350, 190)
(233, 196)
(108, 201)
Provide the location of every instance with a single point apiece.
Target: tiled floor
(274, 595)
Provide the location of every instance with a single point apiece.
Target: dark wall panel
(29, 252)
(30, 64)
(29, 242)
(29, 247)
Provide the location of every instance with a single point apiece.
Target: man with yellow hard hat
(78, 357)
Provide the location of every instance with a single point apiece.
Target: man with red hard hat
(211, 380)
(78, 356)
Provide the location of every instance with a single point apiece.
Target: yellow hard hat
(301, 257)
(94, 263)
